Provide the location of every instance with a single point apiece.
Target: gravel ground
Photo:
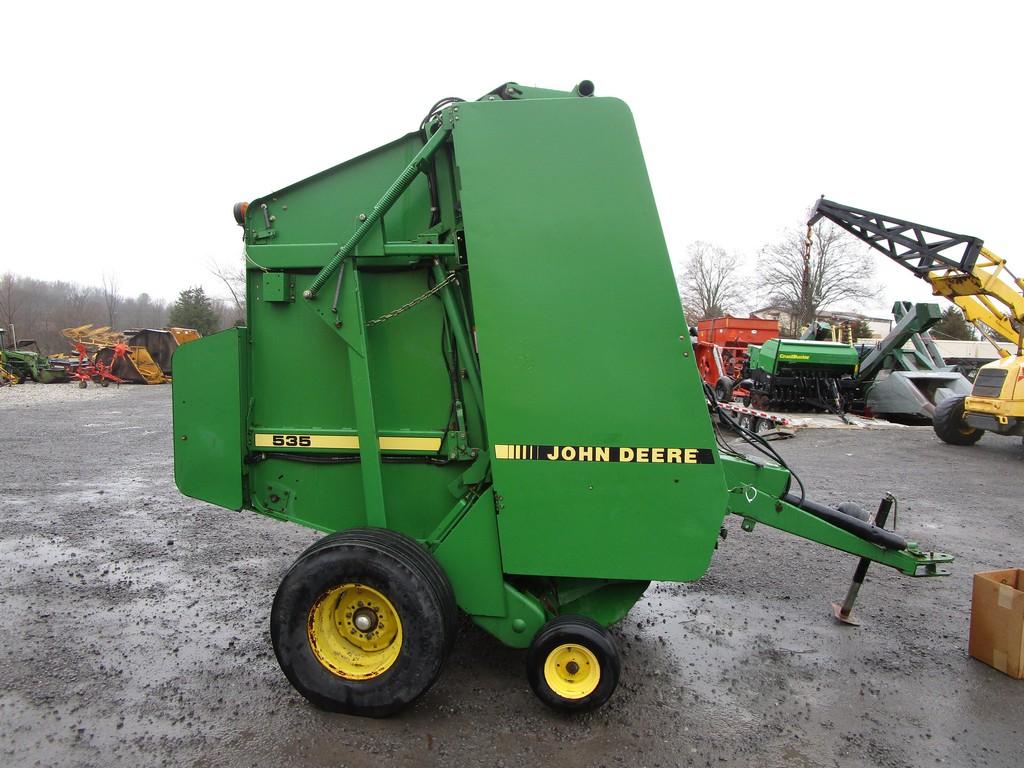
(135, 624)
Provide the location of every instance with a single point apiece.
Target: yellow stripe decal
(344, 442)
(410, 443)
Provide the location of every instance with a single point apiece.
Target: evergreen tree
(953, 326)
(193, 309)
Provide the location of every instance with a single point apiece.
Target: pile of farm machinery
(991, 297)
(480, 432)
(902, 377)
(100, 355)
(19, 362)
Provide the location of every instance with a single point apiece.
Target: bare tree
(233, 278)
(111, 297)
(710, 284)
(10, 299)
(804, 277)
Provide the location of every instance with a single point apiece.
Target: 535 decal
(291, 441)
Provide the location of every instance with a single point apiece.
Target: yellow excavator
(978, 281)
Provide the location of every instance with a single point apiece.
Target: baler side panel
(301, 375)
(582, 343)
(208, 400)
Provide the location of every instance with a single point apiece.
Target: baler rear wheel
(573, 664)
(363, 623)
(412, 550)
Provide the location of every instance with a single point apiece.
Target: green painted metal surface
(472, 335)
(777, 354)
(583, 343)
(471, 557)
(208, 408)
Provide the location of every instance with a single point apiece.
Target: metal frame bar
(902, 241)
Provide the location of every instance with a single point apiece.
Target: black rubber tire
(411, 549)
(746, 421)
(577, 630)
(723, 389)
(104, 383)
(763, 425)
(403, 572)
(948, 423)
(82, 383)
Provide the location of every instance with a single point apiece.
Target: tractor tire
(82, 383)
(573, 664)
(363, 622)
(948, 423)
(723, 389)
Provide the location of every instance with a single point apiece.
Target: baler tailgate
(208, 418)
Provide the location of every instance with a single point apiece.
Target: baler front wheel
(362, 624)
(573, 664)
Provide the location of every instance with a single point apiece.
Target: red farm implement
(721, 350)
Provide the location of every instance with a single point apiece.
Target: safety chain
(395, 312)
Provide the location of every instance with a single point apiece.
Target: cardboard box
(997, 620)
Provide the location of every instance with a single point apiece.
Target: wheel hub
(365, 620)
(572, 671)
(354, 630)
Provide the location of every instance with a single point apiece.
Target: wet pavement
(135, 624)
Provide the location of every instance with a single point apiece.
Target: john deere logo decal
(621, 455)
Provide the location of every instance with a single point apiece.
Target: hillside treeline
(39, 309)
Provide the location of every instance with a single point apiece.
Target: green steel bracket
(471, 556)
(350, 324)
(474, 475)
(388, 199)
(524, 616)
(424, 250)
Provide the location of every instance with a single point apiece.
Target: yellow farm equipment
(137, 356)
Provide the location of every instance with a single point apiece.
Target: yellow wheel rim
(355, 632)
(572, 671)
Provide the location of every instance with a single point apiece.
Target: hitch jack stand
(843, 613)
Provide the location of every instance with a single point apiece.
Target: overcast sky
(129, 130)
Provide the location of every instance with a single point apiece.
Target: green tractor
(496, 408)
(26, 364)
